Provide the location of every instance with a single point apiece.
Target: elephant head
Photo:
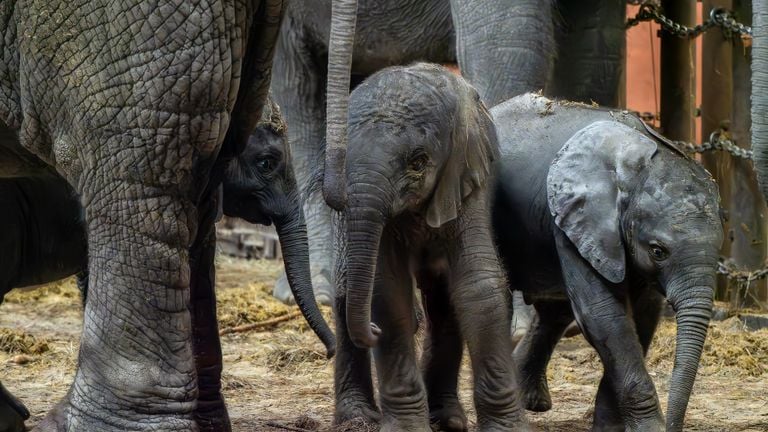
(421, 142)
(625, 202)
(260, 187)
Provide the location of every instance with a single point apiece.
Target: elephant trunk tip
(334, 179)
(368, 339)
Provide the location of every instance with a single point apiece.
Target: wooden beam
(716, 100)
(678, 58)
(747, 205)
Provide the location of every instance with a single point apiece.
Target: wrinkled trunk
(691, 297)
(340, 48)
(295, 247)
(760, 92)
(364, 228)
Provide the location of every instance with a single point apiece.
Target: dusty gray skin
(592, 212)
(420, 154)
(759, 97)
(514, 53)
(139, 109)
(46, 240)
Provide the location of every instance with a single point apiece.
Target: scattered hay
(354, 425)
(292, 358)
(63, 292)
(729, 350)
(17, 342)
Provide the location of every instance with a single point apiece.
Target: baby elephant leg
(401, 389)
(441, 359)
(532, 354)
(479, 297)
(12, 412)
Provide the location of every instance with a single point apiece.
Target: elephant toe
(537, 397)
(362, 413)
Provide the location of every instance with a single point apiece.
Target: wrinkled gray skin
(46, 240)
(599, 219)
(139, 107)
(759, 98)
(420, 154)
(513, 53)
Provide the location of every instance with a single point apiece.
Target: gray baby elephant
(421, 147)
(598, 217)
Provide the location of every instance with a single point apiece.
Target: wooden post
(677, 73)
(747, 205)
(716, 100)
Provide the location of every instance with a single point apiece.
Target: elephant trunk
(691, 296)
(340, 48)
(760, 92)
(293, 241)
(365, 224)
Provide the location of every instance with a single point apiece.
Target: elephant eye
(418, 163)
(658, 251)
(266, 165)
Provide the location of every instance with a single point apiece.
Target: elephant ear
(473, 149)
(587, 186)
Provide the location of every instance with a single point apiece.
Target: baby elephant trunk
(364, 228)
(691, 296)
(293, 241)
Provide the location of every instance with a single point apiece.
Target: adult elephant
(504, 48)
(138, 106)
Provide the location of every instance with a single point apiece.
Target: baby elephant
(597, 217)
(421, 147)
(44, 238)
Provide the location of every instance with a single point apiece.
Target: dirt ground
(279, 376)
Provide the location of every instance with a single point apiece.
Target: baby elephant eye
(418, 163)
(657, 251)
(266, 165)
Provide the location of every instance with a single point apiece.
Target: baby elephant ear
(588, 182)
(473, 148)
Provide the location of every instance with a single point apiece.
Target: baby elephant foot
(390, 424)
(354, 409)
(324, 292)
(12, 412)
(535, 392)
(448, 416)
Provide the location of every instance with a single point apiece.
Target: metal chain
(718, 17)
(739, 275)
(718, 140)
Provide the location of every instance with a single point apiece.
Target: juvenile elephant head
(260, 187)
(626, 202)
(420, 142)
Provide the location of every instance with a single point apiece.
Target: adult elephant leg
(590, 51)
(646, 303)
(516, 57)
(533, 353)
(401, 389)
(211, 412)
(299, 90)
(441, 359)
(353, 382)
(603, 320)
(478, 293)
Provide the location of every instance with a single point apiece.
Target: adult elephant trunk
(293, 241)
(340, 48)
(365, 223)
(760, 92)
(690, 295)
